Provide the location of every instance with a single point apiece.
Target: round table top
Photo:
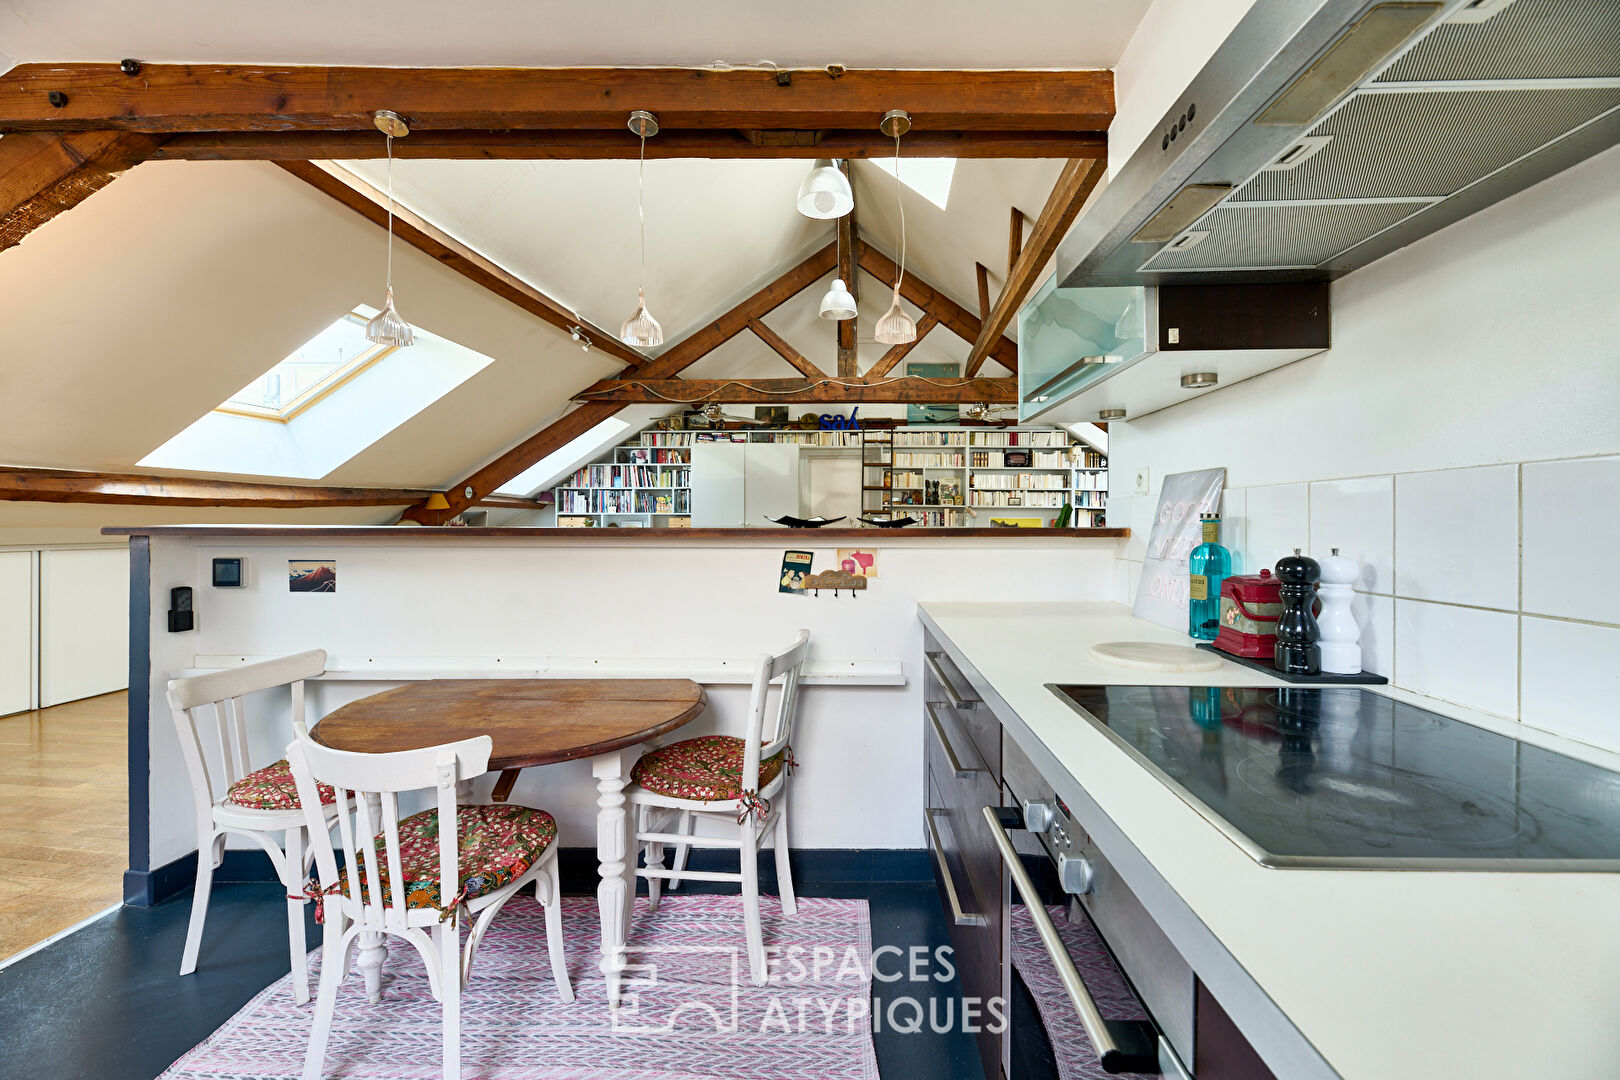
(532, 721)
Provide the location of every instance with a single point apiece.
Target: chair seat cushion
(705, 769)
(495, 845)
(272, 788)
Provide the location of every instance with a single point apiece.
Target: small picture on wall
(859, 561)
(312, 575)
(773, 415)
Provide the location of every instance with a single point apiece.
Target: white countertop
(1389, 974)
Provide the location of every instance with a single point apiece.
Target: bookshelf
(945, 477)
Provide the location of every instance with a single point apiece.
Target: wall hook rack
(836, 580)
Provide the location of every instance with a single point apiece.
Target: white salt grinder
(1341, 637)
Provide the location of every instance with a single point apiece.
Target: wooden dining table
(535, 722)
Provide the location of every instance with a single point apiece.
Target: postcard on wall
(795, 568)
(312, 575)
(859, 561)
(1161, 596)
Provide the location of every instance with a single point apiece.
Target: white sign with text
(1161, 595)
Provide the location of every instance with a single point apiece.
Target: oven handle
(960, 917)
(1122, 1046)
(956, 699)
(963, 772)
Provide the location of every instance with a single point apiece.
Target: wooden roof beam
(1074, 185)
(67, 486)
(951, 315)
(849, 242)
(668, 364)
(43, 175)
(784, 350)
(429, 239)
(862, 390)
(173, 98)
(886, 363)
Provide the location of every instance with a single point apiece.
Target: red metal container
(1250, 605)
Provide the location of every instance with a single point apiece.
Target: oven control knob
(1074, 873)
(1038, 816)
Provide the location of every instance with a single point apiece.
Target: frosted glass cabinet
(1068, 338)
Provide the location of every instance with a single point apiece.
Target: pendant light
(895, 327)
(641, 329)
(838, 303)
(825, 192)
(388, 328)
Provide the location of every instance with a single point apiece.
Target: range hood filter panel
(1428, 144)
(1281, 237)
(1529, 39)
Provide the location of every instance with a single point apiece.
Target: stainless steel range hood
(1324, 134)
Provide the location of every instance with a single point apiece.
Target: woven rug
(689, 1011)
(1076, 1060)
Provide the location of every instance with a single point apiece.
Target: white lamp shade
(895, 327)
(641, 329)
(825, 192)
(838, 303)
(387, 328)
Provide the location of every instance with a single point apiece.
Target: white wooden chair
(237, 798)
(412, 879)
(739, 783)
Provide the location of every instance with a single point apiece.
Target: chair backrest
(768, 735)
(221, 692)
(367, 787)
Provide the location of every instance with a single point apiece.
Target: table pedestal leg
(373, 946)
(612, 846)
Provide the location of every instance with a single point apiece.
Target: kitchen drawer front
(947, 686)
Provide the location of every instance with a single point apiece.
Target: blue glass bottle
(1207, 567)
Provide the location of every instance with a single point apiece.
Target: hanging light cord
(641, 208)
(389, 274)
(901, 205)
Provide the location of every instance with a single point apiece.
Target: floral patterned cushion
(705, 769)
(272, 788)
(495, 845)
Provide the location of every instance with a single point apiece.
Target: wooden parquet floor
(64, 845)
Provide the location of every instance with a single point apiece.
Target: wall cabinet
(17, 622)
(745, 484)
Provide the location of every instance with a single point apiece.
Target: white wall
(83, 623)
(18, 619)
(1457, 439)
(468, 603)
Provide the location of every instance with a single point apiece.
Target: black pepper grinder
(1297, 652)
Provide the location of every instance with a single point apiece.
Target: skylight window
(320, 366)
(928, 177)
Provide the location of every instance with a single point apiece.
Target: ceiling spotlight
(579, 335)
(825, 192)
(1199, 380)
(641, 329)
(1111, 414)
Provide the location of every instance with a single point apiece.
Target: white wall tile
(1571, 680)
(1119, 511)
(1375, 616)
(1571, 506)
(1278, 521)
(1235, 526)
(1460, 654)
(1143, 507)
(1357, 517)
(1457, 536)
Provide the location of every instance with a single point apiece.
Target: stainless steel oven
(1034, 822)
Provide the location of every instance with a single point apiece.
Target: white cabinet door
(16, 631)
(83, 623)
(772, 486)
(717, 483)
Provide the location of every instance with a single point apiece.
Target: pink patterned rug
(691, 1012)
(1075, 1058)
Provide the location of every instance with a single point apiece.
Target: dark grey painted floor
(105, 1003)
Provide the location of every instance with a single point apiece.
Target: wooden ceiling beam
(1074, 185)
(67, 486)
(666, 365)
(982, 273)
(43, 175)
(429, 239)
(863, 390)
(848, 255)
(952, 316)
(1015, 239)
(784, 350)
(171, 98)
(886, 363)
(532, 145)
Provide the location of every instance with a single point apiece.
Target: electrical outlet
(1142, 485)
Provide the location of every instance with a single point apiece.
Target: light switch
(1172, 335)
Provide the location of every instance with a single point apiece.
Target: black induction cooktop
(1341, 777)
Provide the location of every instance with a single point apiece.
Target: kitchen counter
(1379, 974)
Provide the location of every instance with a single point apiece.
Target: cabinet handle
(956, 699)
(963, 772)
(960, 917)
(1122, 1046)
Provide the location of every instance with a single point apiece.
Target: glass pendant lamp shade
(825, 192)
(838, 303)
(895, 327)
(641, 329)
(388, 328)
